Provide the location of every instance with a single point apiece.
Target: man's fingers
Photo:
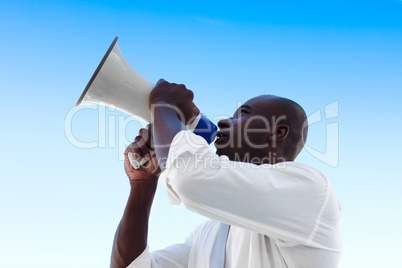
(196, 111)
(133, 148)
(141, 146)
(127, 163)
(190, 94)
(160, 81)
(146, 135)
(153, 166)
(145, 142)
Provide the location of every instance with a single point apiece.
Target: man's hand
(142, 148)
(176, 97)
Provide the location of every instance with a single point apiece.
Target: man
(279, 213)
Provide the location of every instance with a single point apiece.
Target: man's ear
(279, 133)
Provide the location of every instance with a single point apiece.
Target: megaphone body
(117, 84)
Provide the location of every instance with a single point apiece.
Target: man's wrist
(167, 110)
(158, 103)
(149, 183)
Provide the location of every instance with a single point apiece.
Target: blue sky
(340, 60)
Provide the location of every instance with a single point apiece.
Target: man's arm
(131, 235)
(282, 201)
(172, 107)
(166, 126)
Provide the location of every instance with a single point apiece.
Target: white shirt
(282, 215)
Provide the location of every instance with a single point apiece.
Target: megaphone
(117, 84)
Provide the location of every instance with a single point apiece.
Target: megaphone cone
(117, 84)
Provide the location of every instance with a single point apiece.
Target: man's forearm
(131, 235)
(165, 127)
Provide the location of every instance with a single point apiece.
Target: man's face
(246, 135)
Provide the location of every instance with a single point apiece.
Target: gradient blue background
(60, 205)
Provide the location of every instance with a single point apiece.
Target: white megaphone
(117, 84)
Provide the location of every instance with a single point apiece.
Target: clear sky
(341, 60)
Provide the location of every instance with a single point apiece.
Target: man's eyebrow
(245, 106)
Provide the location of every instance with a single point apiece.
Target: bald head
(282, 125)
(287, 112)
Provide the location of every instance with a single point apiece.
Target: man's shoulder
(302, 170)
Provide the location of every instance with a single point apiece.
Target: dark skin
(172, 108)
(132, 233)
(262, 126)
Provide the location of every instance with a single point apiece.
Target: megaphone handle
(201, 126)
(137, 164)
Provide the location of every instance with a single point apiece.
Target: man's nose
(225, 123)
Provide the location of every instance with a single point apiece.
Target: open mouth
(220, 136)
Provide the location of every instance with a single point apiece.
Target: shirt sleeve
(173, 256)
(283, 201)
(143, 261)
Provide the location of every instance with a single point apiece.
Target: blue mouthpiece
(206, 129)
